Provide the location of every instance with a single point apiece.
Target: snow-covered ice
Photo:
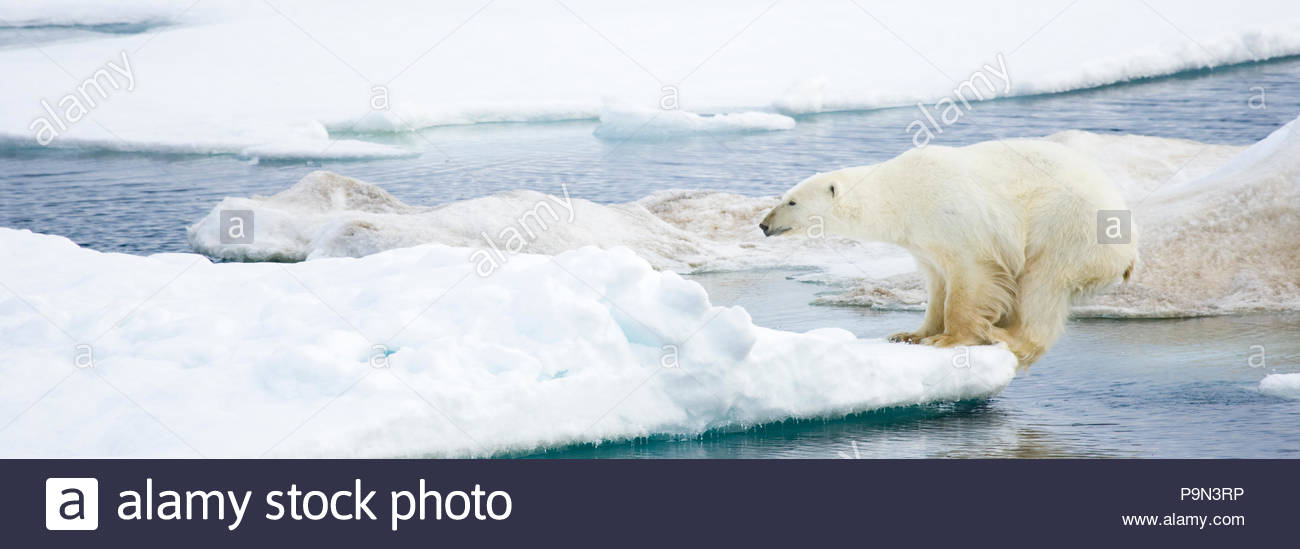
(187, 357)
(245, 77)
(329, 215)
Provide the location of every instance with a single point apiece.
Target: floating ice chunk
(409, 353)
(1281, 385)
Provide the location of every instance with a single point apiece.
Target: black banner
(646, 502)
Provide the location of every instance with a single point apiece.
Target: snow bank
(232, 359)
(1281, 385)
(239, 77)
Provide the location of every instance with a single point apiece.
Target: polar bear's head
(808, 207)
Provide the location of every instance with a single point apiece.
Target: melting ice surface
(408, 352)
(1219, 229)
(294, 78)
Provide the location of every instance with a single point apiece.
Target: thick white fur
(1004, 231)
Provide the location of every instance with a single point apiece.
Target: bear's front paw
(948, 340)
(906, 337)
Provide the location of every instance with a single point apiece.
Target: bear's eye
(791, 202)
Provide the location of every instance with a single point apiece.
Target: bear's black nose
(764, 227)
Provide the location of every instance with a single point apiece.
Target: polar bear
(1005, 232)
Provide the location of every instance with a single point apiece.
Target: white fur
(1005, 232)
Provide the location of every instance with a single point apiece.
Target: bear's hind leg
(933, 323)
(1042, 306)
